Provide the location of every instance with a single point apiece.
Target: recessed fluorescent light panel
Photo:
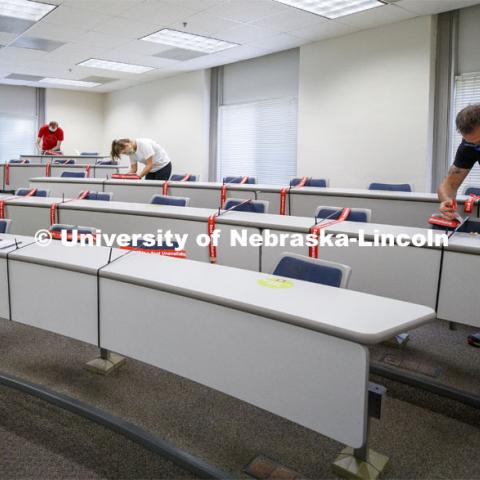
(333, 8)
(25, 9)
(189, 41)
(116, 66)
(69, 83)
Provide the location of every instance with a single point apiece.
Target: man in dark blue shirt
(468, 153)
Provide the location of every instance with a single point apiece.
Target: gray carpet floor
(223, 431)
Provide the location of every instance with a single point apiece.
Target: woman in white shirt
(157, 164)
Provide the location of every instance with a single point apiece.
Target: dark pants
(162, 174)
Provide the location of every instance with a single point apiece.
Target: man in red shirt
(50, 137)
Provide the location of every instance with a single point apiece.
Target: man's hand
(449, 209)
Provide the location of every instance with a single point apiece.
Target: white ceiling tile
(159, 12)
(244, 34)
(290, 20)
(430, 7)
(324, 30)
(106, 41)
(73, 53)
(204, 24)
(377, 16)
(110, 7)
(75, 17)
(126, 28)
(199, 5)
(247, 10)
(281, 41)
(138, 47)
(55, 32)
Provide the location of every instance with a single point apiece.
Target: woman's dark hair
(117, 148)
(468, 119)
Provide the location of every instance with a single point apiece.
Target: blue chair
(100, 196)
(172, 201)
(363, 215)
(89, 154)
(178, 178)
(472, 191)
(68, 161)
(5, 225)
(73, 175)
(17, 161)
(390, 187)
(250, 180)
(23, 192)
(60, 227)
(313, 270)
(106, 162)
(311, 182)
(253, 206)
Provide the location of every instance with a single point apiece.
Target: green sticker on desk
(275, 283)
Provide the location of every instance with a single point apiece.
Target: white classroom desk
(218, 326)
(20, 174)
(8, 244)
(389, 208)
(404, 273)
(85, 159)
(68, 187)
(55, 288)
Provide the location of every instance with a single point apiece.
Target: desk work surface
(83, 259)
(349, 315)
(10, 243)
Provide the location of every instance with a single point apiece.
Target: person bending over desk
(157, 164)
(50, 138)
(468, 154)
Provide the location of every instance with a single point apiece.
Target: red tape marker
(84, 195)
(2, 210)
(7, 174)
(166, 185)
(32, 192)
(315, 231)
(470, 202)
(125, 176)
(53, 213)
(87, 170)
(186, 178)
(48, 169)
(212, 249)
(284, 193)
(223, 195)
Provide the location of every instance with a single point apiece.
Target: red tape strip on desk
(125, 176)
(470, 202)
(284, 194)
(7, 174)
(443, 222)
(161, 251)
(48, 169)
(223, 195)
(53, 213)
(32, 192)
(186, 178)
(84, 195)
(315, 230)
(2, 210)
(165, 188)
(87, 170)
(212, 249)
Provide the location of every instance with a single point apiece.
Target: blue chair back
(238, 205)
(172, 201)
(89, 154)
(311, 182)
(73, 175)
(313, 270)
(23, 192)
(15, 160)
(4, 225)
(472, 191)
(390, 187)
(178, 178)
(59, 227)
(68, 161)
(100, 196)
(106, 162)
(250, 180)
(356, 214)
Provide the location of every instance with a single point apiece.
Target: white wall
(365, 106)
(81, 116)
(173, 111)
(469, 40)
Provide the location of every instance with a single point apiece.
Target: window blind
(259, 139)
(467, 92)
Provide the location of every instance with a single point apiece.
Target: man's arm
(148, 167)
(39, 143)
(447, 191)
(58, 146)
